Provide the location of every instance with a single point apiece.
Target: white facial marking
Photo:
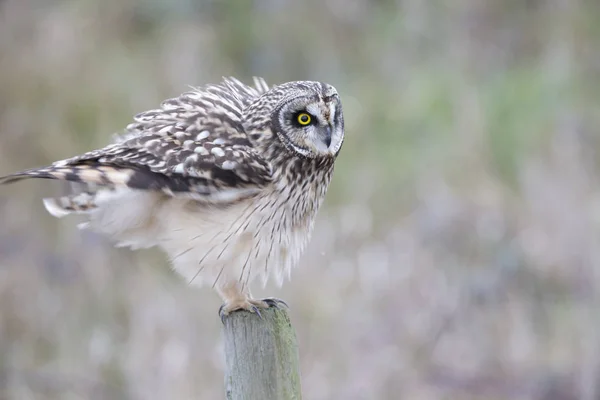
(331, 113)
(313, 108)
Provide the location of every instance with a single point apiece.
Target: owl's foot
(250, 305)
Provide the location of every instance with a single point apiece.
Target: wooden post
(261, 356)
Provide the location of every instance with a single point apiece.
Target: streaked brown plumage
(227, 179)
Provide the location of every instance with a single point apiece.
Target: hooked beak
(326, 135)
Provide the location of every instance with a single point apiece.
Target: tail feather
(96, 174)
(42, 173)
(77, 202)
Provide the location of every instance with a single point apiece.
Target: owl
(226, 179)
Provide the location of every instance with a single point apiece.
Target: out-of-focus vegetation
(457, 257)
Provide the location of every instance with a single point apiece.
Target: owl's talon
(256, 311)
(250, 305)
(275, 302)
(222, 314)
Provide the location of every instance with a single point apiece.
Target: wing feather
(193, 145)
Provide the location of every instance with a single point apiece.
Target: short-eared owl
(226, 179)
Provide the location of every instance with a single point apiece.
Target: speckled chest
(301, 185)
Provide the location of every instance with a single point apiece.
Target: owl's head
(306, 116)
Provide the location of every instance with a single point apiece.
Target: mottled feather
(223, 178)
(193, 145)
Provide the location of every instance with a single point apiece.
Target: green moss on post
(261, 356)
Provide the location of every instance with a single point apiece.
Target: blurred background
(458, 252)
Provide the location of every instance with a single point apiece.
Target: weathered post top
(261, 356)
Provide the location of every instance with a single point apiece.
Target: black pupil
(304, 118)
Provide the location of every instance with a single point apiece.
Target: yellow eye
(304, 119)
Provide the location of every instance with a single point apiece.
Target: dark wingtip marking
(6, 180)
(41, 173)
(19, 176)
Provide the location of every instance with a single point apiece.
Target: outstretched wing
(193, 145)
